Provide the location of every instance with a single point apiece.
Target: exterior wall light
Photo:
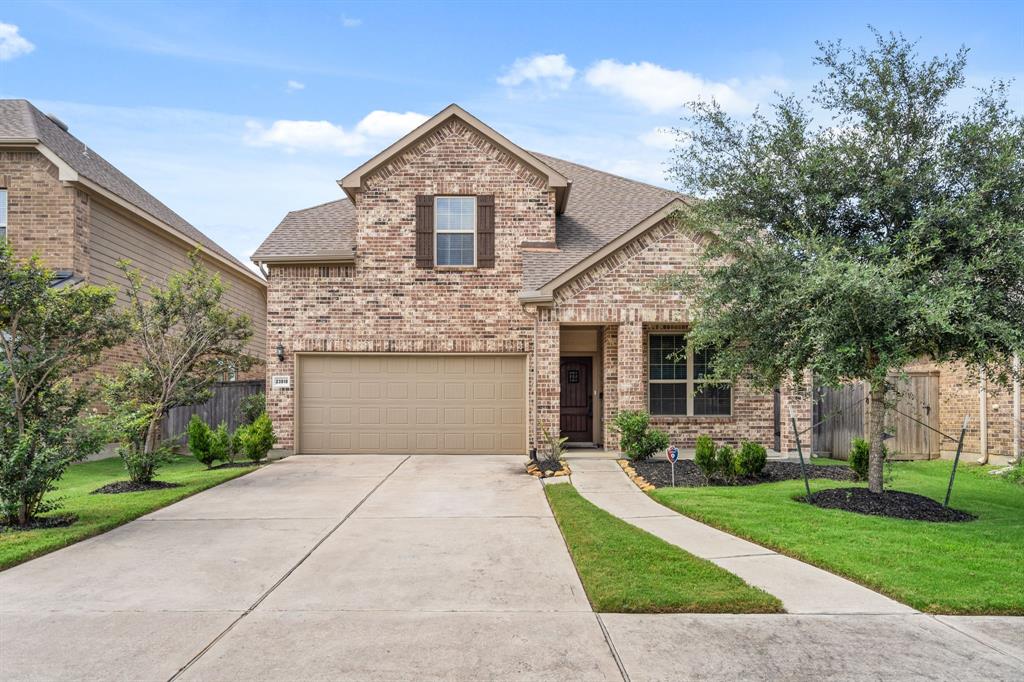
(280, 351)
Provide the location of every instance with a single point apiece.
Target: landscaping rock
(891, 503)
(658, 473)
(118, 487)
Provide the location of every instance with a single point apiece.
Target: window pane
(668, 398)
(712, 399)
(703, 363)
(665, 350)
(454, 213)
(454, 249)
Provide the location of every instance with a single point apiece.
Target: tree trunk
(153, 433)
(876, 429)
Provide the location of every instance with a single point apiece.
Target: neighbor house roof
(600, 208)
(21, 123)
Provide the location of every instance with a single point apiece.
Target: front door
(577, 413)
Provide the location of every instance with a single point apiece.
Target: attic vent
(59, 123)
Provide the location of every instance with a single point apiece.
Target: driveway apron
(357, 567)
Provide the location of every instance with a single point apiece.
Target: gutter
(535, 297)
(1016, 409)
(983, 412)
(312, 259)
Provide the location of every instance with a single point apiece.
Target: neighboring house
(63, 201)
(468, 296)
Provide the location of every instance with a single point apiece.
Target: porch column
(610, 386)
(631, 366)
(801, 403)
(548, 385)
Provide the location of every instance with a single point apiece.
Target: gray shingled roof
(324, 230)
(20, 120)
(601, 207)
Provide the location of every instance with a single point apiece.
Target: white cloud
(659, 138)
(659, 89)
(351, 22)
(367, 135)
(389, 123)
(550, 70)
(12, 43)
(294, 86)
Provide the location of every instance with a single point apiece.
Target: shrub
(752, 458)
(252, 406)
(141, 465)
(704, 457)
(200, 441)
(257, 438)
(556, 445)
(220, 444)
(636, 437)
(725, 462)
(860, 450)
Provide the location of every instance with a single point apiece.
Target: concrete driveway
(391, 568)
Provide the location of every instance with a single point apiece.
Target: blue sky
(235, 113)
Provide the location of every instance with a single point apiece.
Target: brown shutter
(424, 231)
(485, 231)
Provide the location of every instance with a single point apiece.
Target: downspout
(1016, 409)
(983, 413)
(533, 380)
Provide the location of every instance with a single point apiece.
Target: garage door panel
(412, 404)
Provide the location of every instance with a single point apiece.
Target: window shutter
(485, 231)
(424, 231)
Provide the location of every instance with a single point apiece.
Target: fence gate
(221, 407)
(841, 414)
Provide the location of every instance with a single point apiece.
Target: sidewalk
(803, 589)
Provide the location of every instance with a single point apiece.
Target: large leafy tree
(186, 336)
(49, 338)
(860, 230)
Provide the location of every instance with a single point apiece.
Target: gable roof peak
(352, 183)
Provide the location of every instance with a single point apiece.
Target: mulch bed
(238, 465)
(891, 503)
(118, 487)
(658, 472)
(43, 522)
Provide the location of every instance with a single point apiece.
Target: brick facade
(384, 303)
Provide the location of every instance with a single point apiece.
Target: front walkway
(801, 587)
(422, 568)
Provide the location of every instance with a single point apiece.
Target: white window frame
(690, 381)
(3, 213)
(438, 231)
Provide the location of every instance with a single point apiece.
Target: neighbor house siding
(116, 236)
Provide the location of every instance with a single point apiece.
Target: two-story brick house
(468, 295)
(63, 201)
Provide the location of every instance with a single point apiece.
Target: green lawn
(627, 570)
(99, 513)
(954, 568)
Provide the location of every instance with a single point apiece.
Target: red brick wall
(385, 303)
(42, 215)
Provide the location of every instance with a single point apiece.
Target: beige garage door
(468, 404)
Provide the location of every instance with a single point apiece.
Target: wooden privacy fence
(841, 414)
(221, 407)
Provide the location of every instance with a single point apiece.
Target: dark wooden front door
(577, 413)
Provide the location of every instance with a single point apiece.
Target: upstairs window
(3, 214)
(678, 380)
(455, 231)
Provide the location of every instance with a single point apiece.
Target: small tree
(200, 441)
(185, 335)
(850, 248)
(49, 338)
